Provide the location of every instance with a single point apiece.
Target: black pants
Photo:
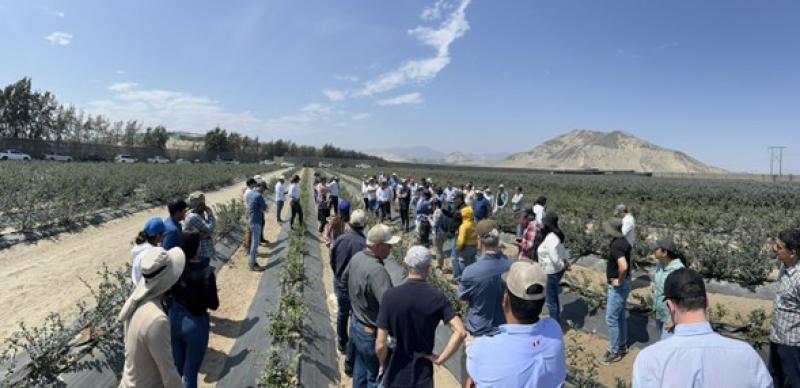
(386, 210)
(366, 204)
(404, 217)
(322, 217)
(297, 210)
(334, 204)
(784, 365)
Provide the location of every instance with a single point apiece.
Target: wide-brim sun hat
(161, 269)
(613, 228)
(381, 234)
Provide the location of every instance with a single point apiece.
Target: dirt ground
(595, 347)
(43, 277)
(236, 285)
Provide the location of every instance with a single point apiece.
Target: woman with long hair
(553, 257)
(339, 224)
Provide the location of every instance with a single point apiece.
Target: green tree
(156, 137)
(216, 140)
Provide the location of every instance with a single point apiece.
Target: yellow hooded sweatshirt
(467, 235)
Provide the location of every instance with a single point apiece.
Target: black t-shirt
(404, 190)
(410, 313)
(619, 248)
(196, 290)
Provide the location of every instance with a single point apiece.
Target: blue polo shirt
(524, 356)
(482, 287)
(172, 234)
(695, 356)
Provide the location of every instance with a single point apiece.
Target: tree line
(37, 115)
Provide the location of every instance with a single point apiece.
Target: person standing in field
(502, 199)
(628, 223)
(192, 296)
(695, 356)
(172, 225)
(423, 210)
(256, 207)
(367, 282)
(487, 195)
(296, 207)
(372, 195)
(148, 350)
(540, 208)
(668, 261)
(481, 285)
(516, 207)
(149, 237)
(323, 204)
(527, 352)
(201, 219)
(784, 339)
(619, 287)
(531, 238)
(441, 228)
(455, 225)
(333, 194)
(365, 192)
(338, 225)
(481, 206)
(248, 234)
(553, 257)
(280, 198)
(449, 194)
(404, 202)
(343, 250)
(410, 313)
(385, 197)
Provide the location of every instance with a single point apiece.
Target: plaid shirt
(528, 238)
(786, 313)
(195, 222)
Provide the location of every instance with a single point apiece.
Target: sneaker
(611, 358)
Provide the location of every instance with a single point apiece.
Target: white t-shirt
(552, 254)
(629, 228)
(364, 190)
(333, 188)
(294, 191)
(372, 190)
(516, 201)
(280, 192)
(539, 211)
(385, 195)
(244, 197)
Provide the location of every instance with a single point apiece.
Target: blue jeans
(189, 342)
(279, 209)
(551, 295)
(615, 316)
(343, 300)
(365, 373)
(255, 240)
(463, 258)
(661, 331)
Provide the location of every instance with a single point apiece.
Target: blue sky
(718, 79)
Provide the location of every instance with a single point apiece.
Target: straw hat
(160, 271)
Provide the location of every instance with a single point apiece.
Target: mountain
(419, 154)
(582, 149)
(473, 159)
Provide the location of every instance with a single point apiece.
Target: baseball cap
(418, 259)
(381, 234)
(358, 218)
(666, 245)
(684, 283)
(486, 227)
(526, 280)
(620, 208)
(154, 227)
(344, 205)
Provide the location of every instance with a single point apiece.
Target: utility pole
(776, 155)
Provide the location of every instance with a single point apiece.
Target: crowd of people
(386, 331)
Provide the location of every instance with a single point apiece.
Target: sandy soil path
(43, 277)
(237, 286)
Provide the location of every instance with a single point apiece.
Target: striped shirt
(786, 312)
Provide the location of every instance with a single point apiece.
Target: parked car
(267, 162)
(158, 160)
(57, 157)
(363, 165)
(325, 165)
(183, 161)
(125, 159)
(287, 164)
(14, 155)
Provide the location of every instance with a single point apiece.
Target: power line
(776, 155)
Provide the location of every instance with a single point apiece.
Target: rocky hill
(582, 149)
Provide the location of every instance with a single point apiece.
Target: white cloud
(350, 78)
(186, 112)
(59, 13)
(119, 71)
(454, 26)
(335, 95)
(360, 116)
(410, 98)
(59, 38)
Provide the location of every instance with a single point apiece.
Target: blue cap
(154, 227)
(344, 205)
